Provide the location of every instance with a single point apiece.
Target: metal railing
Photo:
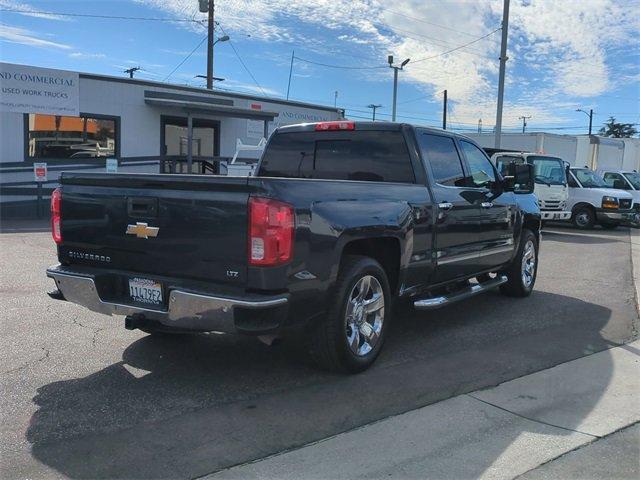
(31, 189)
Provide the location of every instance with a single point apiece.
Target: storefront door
(174, 142)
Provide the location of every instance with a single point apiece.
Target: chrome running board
(442, 300)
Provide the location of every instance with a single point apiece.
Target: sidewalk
(501, 432)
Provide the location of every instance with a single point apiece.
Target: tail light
(331, 126)
(270, 232)
(56, 215)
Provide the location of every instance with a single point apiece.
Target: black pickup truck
(341, 220)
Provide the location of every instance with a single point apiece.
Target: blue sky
(563, 55)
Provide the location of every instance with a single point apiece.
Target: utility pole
(503, 65)
(444, 111)
(479, 125)
(524, 119)
(335, 99)
(210, 28)
(132, 70)
(395, 83)
(290, 72)
(590, 115)
(374, 107)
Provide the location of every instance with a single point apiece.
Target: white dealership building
(80, 122)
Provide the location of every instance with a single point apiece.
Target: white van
(591, 201)
(624, 180)
(550, 181)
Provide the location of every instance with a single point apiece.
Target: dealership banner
(38, 90)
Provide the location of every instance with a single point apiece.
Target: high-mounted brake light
(56, 215)
(329, 126)
(271, 228)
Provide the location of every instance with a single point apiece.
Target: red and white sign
(40, 172)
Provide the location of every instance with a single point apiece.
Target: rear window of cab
(375, 156)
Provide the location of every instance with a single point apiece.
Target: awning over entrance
(195, 104)
(220, 110)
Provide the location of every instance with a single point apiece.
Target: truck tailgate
(201, 224)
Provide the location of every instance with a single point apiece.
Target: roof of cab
(363, 125)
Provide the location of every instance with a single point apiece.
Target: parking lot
(83, 397)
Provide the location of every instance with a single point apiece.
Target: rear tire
(350, 337)
(584, 218)
(523, 270)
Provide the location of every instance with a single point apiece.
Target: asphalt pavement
(83, 397)
(529, 423)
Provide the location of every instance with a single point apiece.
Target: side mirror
(520, 178)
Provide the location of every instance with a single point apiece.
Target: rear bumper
(186, 310)
(555, 215)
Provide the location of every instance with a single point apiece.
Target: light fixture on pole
(590, 115)
(395, 83)
(374, 107)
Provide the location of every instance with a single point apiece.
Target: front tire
(350, 337)
(584, 218)
(523, 270)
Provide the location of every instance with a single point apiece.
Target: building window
(59, 137)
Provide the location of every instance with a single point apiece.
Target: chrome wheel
(364, 315)
(528, 263)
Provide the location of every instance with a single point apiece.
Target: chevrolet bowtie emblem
(142, 230)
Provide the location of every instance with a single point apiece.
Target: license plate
(556, 216)
(143, 290)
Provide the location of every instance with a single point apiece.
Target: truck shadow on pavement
(190, 405)
(584, 238)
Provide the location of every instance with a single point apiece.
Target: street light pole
(590, 115)
(503, 66)
(395, 83)
(444, 111)
(210, 44)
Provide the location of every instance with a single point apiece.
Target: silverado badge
(142, 230)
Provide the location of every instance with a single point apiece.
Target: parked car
(623, 180)
(342, 220)
(591, 201)
(550, 180)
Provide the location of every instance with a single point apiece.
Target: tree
(617, 130)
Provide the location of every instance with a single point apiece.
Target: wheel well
(385, 250)
(582, 205)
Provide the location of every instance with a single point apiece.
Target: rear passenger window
(443, 156)
(376, 156)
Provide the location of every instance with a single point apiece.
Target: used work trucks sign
(38, 90)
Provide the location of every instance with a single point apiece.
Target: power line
(438, 42)
(87, 15)
(421, 20)
(342, 67)
(242, 61)
(454, 49)
(185, 58)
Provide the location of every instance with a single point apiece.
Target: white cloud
(29, 11)
(23, 36)
(557, 49)
(86, 55)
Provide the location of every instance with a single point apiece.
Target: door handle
(486, 204)
(445, 206)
